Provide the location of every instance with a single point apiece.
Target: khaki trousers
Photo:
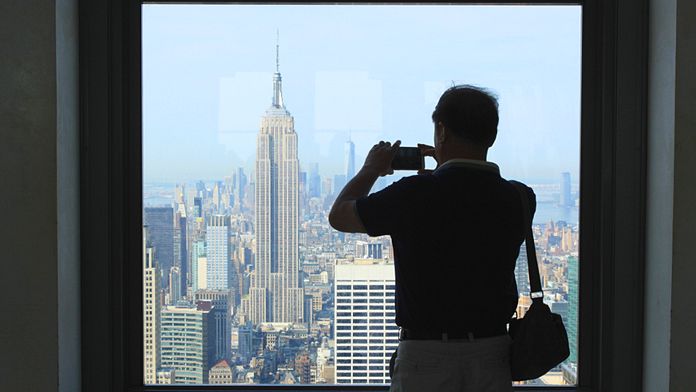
(480, 365)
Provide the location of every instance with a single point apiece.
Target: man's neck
(463, 152)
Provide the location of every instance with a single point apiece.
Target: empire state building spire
(277, 79)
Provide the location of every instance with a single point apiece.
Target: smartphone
(408, 158)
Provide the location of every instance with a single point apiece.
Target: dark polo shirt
(456, 235)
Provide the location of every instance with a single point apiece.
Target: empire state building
(275, 292)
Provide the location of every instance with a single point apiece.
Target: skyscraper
(151, 313)
(160, 223)
(197, 207)
(314, 180)
(188, 337)
(222, 309)
(198, 271)
(275, 294)
(217, 252)
(349, 159)
(181, 248)
(566, 199)
(217, 193)
(571, 323)
(364, 299)
(174, 285)
(241, 187)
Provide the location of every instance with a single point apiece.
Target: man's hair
(470, 112)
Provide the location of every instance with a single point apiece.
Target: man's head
(466, 115)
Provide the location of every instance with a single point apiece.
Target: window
(216, 237)
(613, 58)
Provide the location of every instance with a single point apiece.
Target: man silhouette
(456, 233)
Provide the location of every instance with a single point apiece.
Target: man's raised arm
(344, 216)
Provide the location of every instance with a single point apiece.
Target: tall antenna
(277, 51)
(277, 80)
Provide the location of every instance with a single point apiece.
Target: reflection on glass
(255, 116)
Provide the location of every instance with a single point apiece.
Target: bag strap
(536, 293)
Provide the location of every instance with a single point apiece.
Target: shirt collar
(470, 163)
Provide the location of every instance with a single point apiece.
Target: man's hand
(380, 157)
(427, 151)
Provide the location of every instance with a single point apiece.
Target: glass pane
(255, 117)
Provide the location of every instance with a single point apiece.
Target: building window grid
(382, 343)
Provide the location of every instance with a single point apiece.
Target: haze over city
(207, 74)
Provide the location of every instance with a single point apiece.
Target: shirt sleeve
(384, 212)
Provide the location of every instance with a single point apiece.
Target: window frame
(612, 218)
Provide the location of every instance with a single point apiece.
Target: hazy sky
(373, 71)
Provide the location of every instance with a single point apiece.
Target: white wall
(670, 298)
(39, 234)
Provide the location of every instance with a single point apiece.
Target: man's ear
(442, 133)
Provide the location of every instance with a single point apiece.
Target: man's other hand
(380, 157)
(427, 151)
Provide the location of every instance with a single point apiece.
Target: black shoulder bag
(539, 339)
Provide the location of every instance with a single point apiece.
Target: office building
(199, 265)
(571, 322)
(275, 294)
(160, 223)
(151, 313)
(166, 376)
(187, 341)
(216, 196)
(245, 340)
(181, 247)
(198, 207)
(365, 332)
(368, 249)
(349, 159)
(222, 303)
(220, 373)
(217, 252)
(174, 293)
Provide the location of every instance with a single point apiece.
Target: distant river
(158, 201)
(553, 212)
